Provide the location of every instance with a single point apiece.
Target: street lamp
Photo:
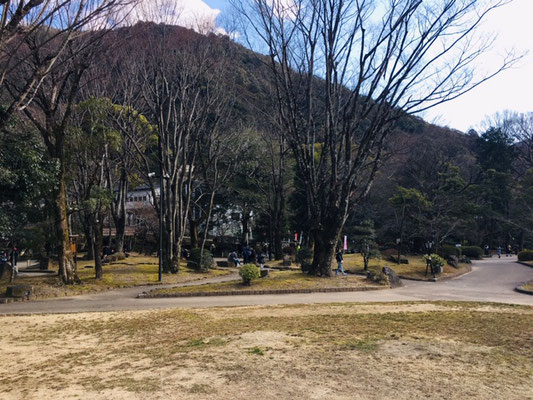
(161, 205)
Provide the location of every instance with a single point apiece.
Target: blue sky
(511, 90)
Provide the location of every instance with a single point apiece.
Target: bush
(248, 272)
(472, 252)
(377, 277)
(304, 257)
(200, 263)
(437, 261)
(525, 255)
(464, 259)
(449, 250)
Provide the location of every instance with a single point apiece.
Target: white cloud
(194, 14)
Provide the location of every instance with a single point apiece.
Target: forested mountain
(204, 108)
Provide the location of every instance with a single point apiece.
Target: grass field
(278, 280)
(415, 269)
(135, 270)
(328, 351)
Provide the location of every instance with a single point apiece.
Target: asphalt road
(491, 280)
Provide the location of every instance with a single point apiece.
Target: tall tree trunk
(120, 228)
(323, 252)
(89, 238)
(193, 232)
(67, 266)
(98, 245)
(244, 220)
(326, 235)
(278, 248)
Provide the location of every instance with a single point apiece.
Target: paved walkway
(491, 280)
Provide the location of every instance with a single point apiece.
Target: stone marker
(453, 261)
(394, 279)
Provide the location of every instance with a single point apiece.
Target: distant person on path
(499, 250)
(339, 259)
(486, 249)
(509, 251)
(261, 260)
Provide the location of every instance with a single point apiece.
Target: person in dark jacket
(340, 260)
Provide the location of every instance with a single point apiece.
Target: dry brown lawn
(279, 280)
(135, 270)
(415, 269)
(336, 351)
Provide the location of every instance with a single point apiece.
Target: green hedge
(525, 255)
(448, 250)
(472, 251)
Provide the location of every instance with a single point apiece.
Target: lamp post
(161, 205)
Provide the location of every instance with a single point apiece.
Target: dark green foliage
(248, 272)
(448, 250)
(525, 255)
(474, 252)
(495, 150)
(200, 261)
(26, 186)
(304, 257)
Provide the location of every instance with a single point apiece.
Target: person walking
(339, 259)
(499, 251)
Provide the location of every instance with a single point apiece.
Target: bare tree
(53, 98)
(180, 77)
(344, 71)
(28, 27)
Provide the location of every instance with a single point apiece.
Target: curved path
(491, 280)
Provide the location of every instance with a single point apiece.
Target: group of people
(249, 255)
(509, 251)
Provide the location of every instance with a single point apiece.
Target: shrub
(200, 263)
(448, 250)
(120, 256)
(465, 259)
(472, 252)
(436, 261)
(525, 255)
(248, 272)
(304, 256)
(377, 277)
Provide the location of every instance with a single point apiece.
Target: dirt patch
(334, 351)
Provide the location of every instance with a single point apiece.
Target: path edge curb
(149, 295)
